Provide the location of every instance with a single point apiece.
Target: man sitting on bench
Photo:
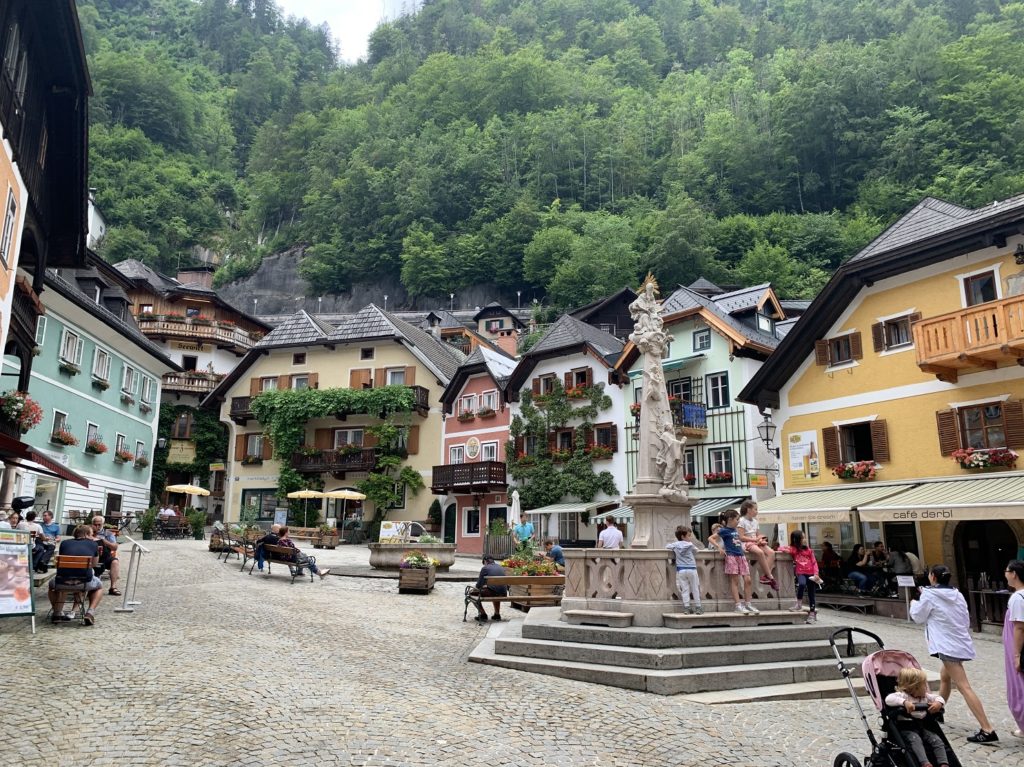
(483, 590)
(310, 562)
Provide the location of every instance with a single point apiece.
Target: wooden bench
(294, 559)
(540, 590)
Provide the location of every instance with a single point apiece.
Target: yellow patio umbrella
(305, 495)
(345, 496)
(187, 490)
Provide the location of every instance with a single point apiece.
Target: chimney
(198, 276)
(508, 341)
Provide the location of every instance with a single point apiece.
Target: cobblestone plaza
(217, 667)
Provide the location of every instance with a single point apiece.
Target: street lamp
(451, 302)
(385, 302)
(518, 302)
(766, 431)
(320, 305)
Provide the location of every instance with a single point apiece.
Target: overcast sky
(351, 21)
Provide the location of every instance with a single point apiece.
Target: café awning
(978, 498)
(28, 458)
(574, 508)
(832, 505)
(712, 507)
(623, 514)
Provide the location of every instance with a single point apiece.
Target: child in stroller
(917, 701)
(882, 671)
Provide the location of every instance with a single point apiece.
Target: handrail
(128, 605)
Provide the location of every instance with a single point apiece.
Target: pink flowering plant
(18, 408)
(856, 470)
(997, 457)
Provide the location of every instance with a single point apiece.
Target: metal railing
(129, 602)
(480, 475)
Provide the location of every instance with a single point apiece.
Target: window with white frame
(489, 399)
(348, 438)
(40, 331)
(396, 376)
(148, 385)
(268, 384)
(10, 215)
(718, 390)
(702, 339)
(489, 451)
(60, 422)
(300, 382)
(471, 521)
(690, 463)
(468, 404)
(456, 454)
(720, 460)
(140, 449)
(71, 347)
(400, 492)
(254, 446)
(121, 443)
(129, 380)
(92, 432)
(100, 364)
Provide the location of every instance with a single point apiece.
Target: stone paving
(217, 667)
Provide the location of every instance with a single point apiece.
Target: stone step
(732, 619)
(598, 618)
(829, 688)
(511, 642)
(544, 623)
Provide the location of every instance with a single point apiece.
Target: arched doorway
(982, 547)
(450, 515)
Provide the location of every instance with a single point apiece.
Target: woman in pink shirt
(806, 566)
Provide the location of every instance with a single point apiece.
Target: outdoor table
(987, 606)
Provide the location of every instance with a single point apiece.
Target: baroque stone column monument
(639, 583)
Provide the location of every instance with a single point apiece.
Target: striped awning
(621, 515)
(574, 508)
(712, 507)
(977, 498)
(833, 505)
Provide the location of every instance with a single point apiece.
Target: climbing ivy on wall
(540, 480)
(209, 435)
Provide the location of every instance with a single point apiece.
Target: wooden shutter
(1013, 423)
(359, 378)
(613, 440)
(412, 442)
(410, 375)
(535, 384)
(856, 347)
(590, 377)
(314, 380)
(568, 380)
(949, 437)
(520, 445)
(380, 377)
(880, 441)
(323, 439)
(284, 382)
(254, 387)
(268, 449)
(878, 337)
(552, 441)
(830, 446)
(588, 437)
(369, 440)
(239, 447)
(821, 352)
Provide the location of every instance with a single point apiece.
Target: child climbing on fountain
(806, 566)
(686, 569)
(757, 544)
(736, 566)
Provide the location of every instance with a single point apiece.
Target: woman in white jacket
(943, 611)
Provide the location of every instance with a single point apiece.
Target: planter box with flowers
(634, 410)
(69, 368)
(466, 415)
(859, 470)
(19, 411)
(416, 572)
(982, 460)
(124, 456)
(576, 392)
(691, 480)
(526, 460)
(64, 437)
(485, 412)
(599, 452)
(201, 320)
(718, 478)
(95, 447)
(100, 383)
(127, 398)
(252, 460)
(539, 567)
(145, 407)
(141, 462)
(559, 456)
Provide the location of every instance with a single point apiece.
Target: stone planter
(417, 579)
(388, 556)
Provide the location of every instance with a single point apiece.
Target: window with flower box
(720, 460)
(347, 437)
(981, 426)
(129, 380)
(856, 442)
(467, 404)
(254, 446)
(606, 435)
(120, 444)
(71, 347)
(489, 400)
(92, 432)
(60, 422)
(148, 385)
(140, 449)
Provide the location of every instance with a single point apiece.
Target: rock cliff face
(279, 290)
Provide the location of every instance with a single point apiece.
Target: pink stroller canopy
(884, 663)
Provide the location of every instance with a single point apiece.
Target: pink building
(471, 475)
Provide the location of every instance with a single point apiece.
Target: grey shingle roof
(705, 287)
(929, 217)
(783, 327)
(499, 364)
(137, 270)
(797, 305)
(684, 299)
(568, 331)
(744, 298)
(301, 329)
(445, 319)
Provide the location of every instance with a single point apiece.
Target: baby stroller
(880, 670)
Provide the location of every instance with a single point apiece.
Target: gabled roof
(745, 299)
(933, 231)
(301, 329)
(494, 309)
(587, 311)
(794, 307)
(483, 359)
(704, 287)
(687, 301)
(444, 319)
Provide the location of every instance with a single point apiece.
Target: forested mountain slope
(568, 145)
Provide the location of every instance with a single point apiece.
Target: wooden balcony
(192, 383)
(479, 477)
(241, 410)
(25, 311)
(691, 419)
(336, 462)
(224, 335)
(979, 338)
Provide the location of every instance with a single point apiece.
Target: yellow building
(898, 395)
(370, 350)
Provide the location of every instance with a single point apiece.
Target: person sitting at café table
(41, 550)
(17, 523)
(166, 513)
(82, 545)
(284, 540)
(831, 564)
(108, 553)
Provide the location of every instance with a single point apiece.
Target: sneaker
(689, 610)
(797, 607)
(481, 619)
(325, 573)
(766, 579)
(812, 617)
(983, 737)
(62, 618)
(741, 608)
(699, 610)
(752, 610)
(497, 618)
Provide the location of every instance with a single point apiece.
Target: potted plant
(145, 407)
(980, 460)
(142, 462)
(527, 561)
(576, 392)
(95, 446)
(634, 410)
(466, 415)
(68, 367)
(147, 523)
(197, 521)
(691, 480)
(600, 452)
(327, 538)
(416, 572)
(100, 383)
(485, 412)
(127, 398)
(860, 470)
(124, 456)
(20, 410)
(64, 437)
(252, 460)
(718, 478)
